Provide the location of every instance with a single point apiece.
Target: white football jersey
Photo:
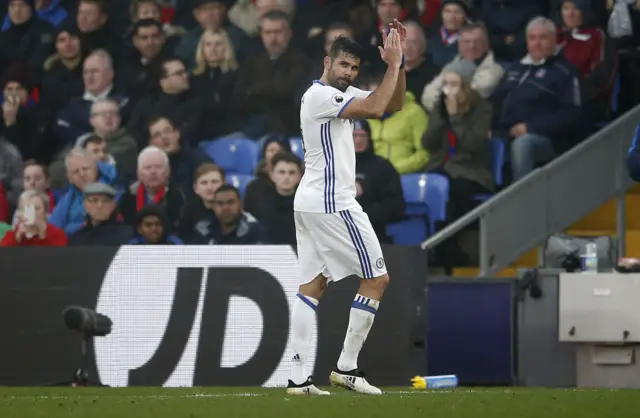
(329, 181)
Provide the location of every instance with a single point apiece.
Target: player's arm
(374, 106)
(397, 100)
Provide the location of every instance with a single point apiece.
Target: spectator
(176, 98)
(539, 101)
(19, 112)
(92, 19)
(246, 14)
(506, 20)
(457, 139)
(10, 172)
(36, 177)
(264, 98)
(165, 134)
(82, 169)
(214, 78)
(153, 187)
(103, 226)
(275, 210)
(473, 46)
(109, 143)
(210, 14)
(62, 78)
(586, 47)
(633, 159)
(139, 71)
(153, 229)
(74, 119)
(443, 46)
(418, 67)
(151, 9)
(386, 12)
(24, 37)
(262, 185)
(231, 226)
(32, 228)
(378, 187)
(198, 212)
(397, 136)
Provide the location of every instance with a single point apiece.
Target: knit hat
(464, 68)
(584, 6)
(460, 3)
(19, 72)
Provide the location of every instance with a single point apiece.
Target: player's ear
(327, 61)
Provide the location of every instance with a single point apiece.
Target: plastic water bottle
(435, 382)
(590, 258)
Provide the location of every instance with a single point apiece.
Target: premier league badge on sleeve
(337, 99)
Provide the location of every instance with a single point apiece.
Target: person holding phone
(33, 228)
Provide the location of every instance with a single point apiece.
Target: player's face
(227, 207)
(342, 71)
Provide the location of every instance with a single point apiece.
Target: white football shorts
(337, 245)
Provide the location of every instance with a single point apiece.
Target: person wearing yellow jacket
(398, 136)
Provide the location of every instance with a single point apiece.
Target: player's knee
(377, 284)
(382, 282)
(315, 288)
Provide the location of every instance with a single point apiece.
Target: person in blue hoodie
(152, 228)
(633, 158)
(69, 214)
(51, 11)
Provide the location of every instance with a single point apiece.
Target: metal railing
(552, 198)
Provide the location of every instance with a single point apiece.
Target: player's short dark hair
(347, 46)
(276, 15)
(146, 23)
(287, 157)
(228, 188)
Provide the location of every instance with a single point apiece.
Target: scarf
(448, 38)
(453, 141)
(52, 200)
(141, 197)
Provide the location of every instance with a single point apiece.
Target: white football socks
(363, 312)
(302, 317)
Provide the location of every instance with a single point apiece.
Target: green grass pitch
(259, 402)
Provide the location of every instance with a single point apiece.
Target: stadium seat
(426, 197)
(296, 147)
(233, 155)
(240, 181)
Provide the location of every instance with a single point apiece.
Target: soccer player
(335, 237)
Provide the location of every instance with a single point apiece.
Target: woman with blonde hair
(32, 228)
(214, 78)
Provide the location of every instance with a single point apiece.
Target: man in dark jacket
(538, 103)
(231, 226)
(275, 210)
(378, 187)
(265, 95)
(153, 228)
(26, 37)
(184, 159)
(175, 98)
(103, 226)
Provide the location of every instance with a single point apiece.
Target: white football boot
(306, 388)
(353, 380)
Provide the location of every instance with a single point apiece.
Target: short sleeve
(327, 102)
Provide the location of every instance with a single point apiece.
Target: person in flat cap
(458, 143)
(25, 37)
(103, 226)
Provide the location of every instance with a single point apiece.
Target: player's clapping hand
(402, 32)
(391, 54)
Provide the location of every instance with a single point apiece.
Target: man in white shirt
(334, 236)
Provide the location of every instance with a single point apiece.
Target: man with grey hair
(473, 45)
(538, 104)
(418, 67)
(98, 76)
(82, 169)
(153, 187)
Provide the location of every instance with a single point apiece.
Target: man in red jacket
(32, 228)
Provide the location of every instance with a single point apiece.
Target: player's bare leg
(363, 311)
(302, 317)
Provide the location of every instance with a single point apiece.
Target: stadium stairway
(598, 223)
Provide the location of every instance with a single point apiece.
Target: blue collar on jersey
(319, 82)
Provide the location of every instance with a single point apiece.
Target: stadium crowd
(110, 107)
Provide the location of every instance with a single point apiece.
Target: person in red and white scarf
(443, 45)
(153, 187)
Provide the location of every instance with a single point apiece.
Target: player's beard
(341, 84)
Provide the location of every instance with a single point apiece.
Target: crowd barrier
(206, 316)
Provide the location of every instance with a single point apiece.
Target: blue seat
(234, 155)
(296, 147)
(240, 181)
(498, 151)
(426, 197)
